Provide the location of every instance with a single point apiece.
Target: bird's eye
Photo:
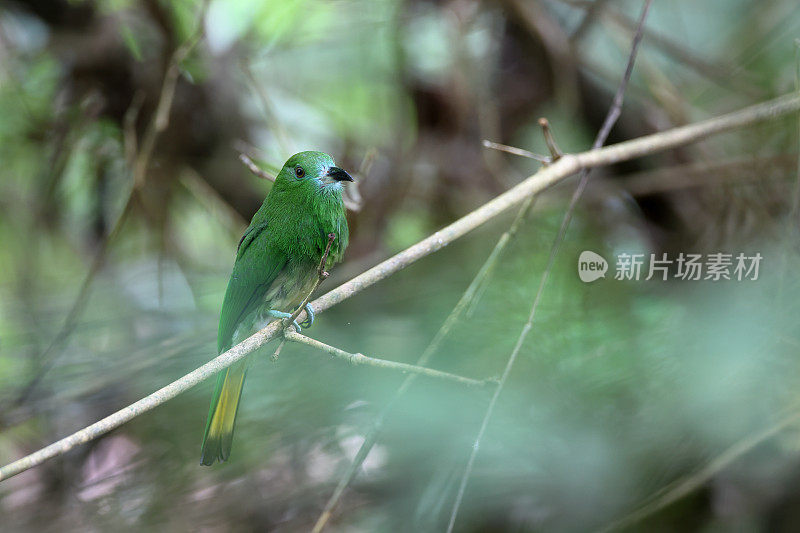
(299, 172)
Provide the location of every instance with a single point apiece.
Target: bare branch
(555, 151)
(361, 359)
(516, 151)
(278, 350)
(543, 179)
(255, 169)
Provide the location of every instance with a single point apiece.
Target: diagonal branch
(516, 151)
(568, 165)
(255, 169)
(361, 359)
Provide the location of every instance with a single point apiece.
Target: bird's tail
(222, 414)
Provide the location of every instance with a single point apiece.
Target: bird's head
(312, 173)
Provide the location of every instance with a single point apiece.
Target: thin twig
(321, 272)
(488, 267)
(541, 180)
(255, 169)
(555, 154)
(555, 151)
(361, 359)
(278, 350)
(516, 151)
(608, 123)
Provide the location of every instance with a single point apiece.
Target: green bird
(276, 266)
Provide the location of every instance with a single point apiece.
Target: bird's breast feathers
(290, 287)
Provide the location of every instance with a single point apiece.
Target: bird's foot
(309, 316)
(283, 316)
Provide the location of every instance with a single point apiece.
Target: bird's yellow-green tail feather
(222, 414)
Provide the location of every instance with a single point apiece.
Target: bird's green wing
(256, 267)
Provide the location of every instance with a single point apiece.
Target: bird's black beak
(338, 174)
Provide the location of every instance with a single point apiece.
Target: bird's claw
(309, 317)
(283, 316)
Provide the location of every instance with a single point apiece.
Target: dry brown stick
(361, 359)
(568, 165)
